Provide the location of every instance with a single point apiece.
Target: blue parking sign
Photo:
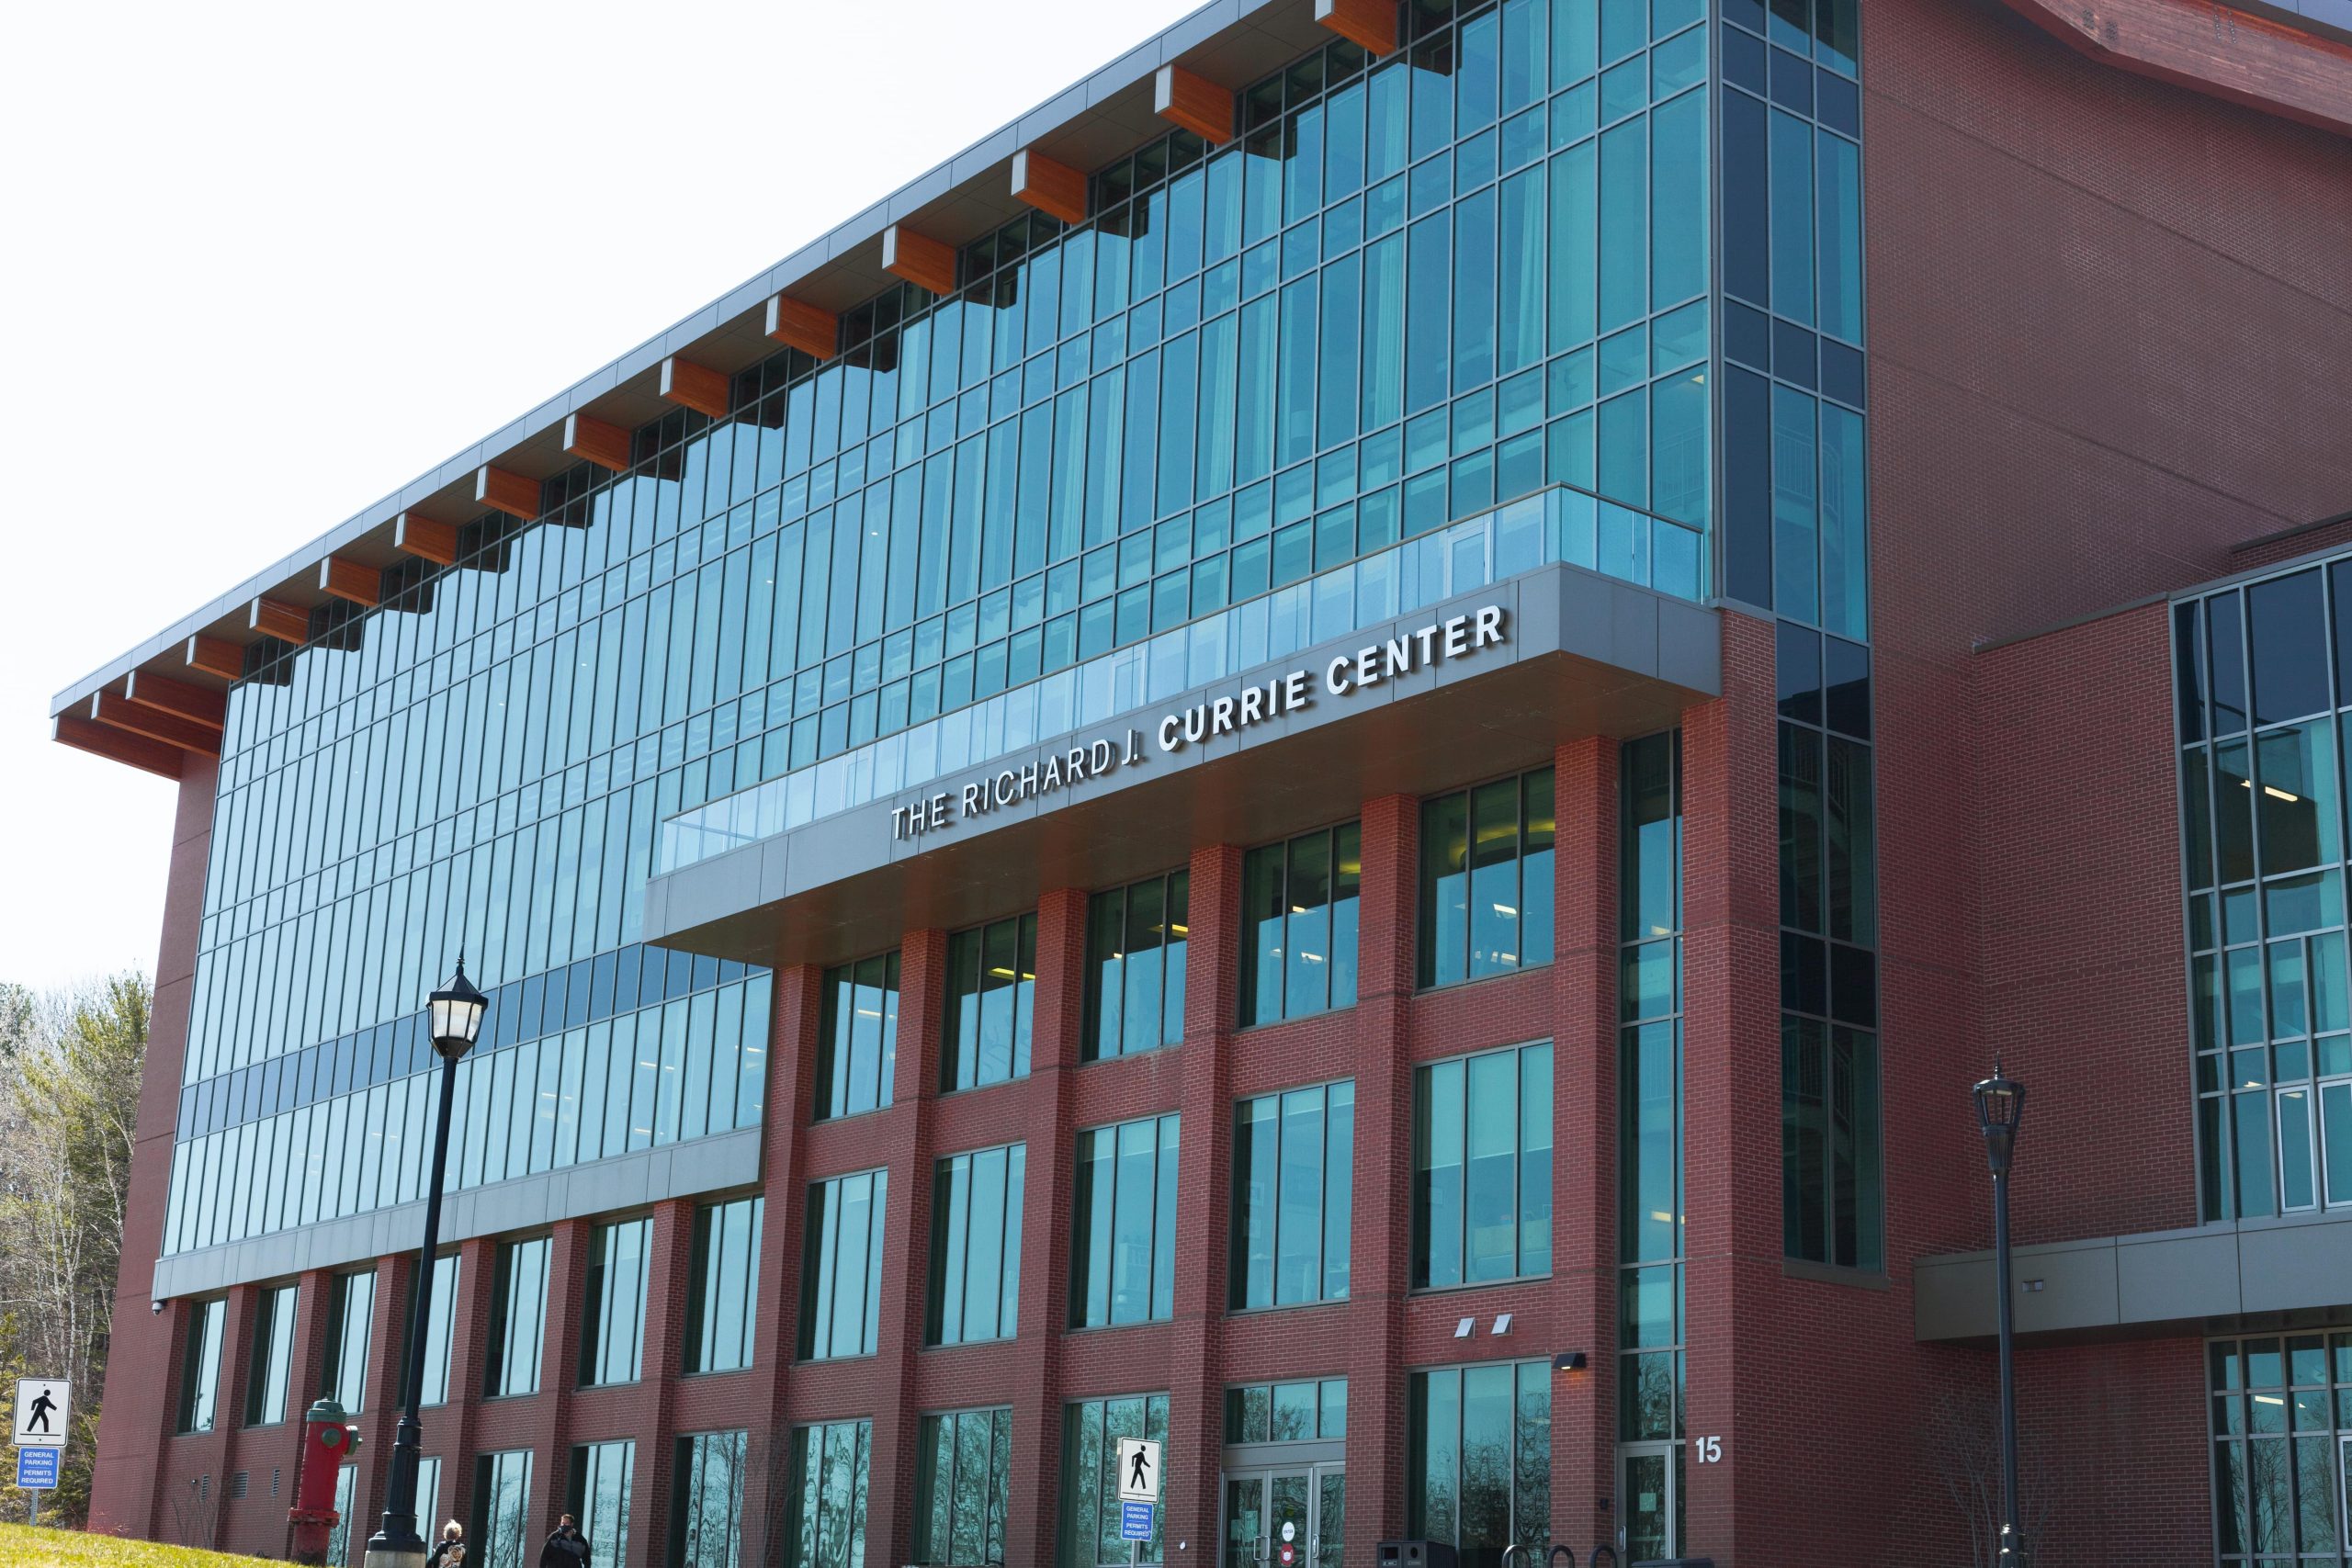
(1135, 1522)
(37, 1469)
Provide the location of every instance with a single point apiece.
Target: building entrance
(1649, 1516)
(1309, 1500)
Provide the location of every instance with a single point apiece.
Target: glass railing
(1555, 525)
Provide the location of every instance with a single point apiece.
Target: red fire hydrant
(328, 1441)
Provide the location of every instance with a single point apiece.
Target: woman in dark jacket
(449, 1552)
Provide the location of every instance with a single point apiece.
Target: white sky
(261, 265)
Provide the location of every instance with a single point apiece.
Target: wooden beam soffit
(796, 323)
(1371, 24)
(2263, 63)
(274, 617)
(117, 745)
(1198, 104)
(425, 538)
(928, 264)
(200, 704)
(216, 656)
(354, 581)
(696, 386)
(135, 719)
(1050, 187)
(502, 489)
(592, 440)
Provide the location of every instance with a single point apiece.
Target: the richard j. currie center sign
(1456, 636)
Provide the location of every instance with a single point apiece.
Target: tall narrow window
(722, 1285)
(1482, 1167)
(351, 1310)
(840, 1273)
(598, 1498)
(271, 1379)
(1136, 938)
(706, 1511)
(1292, 1185)
(828, 1495)
(518, 1310)
(1486, 880)
(858, 1048)
(964, 1462)
(503, 1534)
(991, 992)
(440, 1330)
(1649, 1101)
(1090, 1433)
(1298, 925)
(1122, 1224)
(1478, 1458)
(612, 1328)
(976, 1247)
(200, 1368)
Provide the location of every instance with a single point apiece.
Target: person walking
(567, 1548)
(449, 1552)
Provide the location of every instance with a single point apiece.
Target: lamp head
(453, 1015)
(2000, 1107)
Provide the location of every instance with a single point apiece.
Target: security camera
(156, 1308)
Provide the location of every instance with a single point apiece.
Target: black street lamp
(453, 1018)
(2000, 1106)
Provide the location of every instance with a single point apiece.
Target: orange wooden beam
(135, 719)
(354, 581)
(796, 323)
(1369, 24)
(117, 745)
(588, 437)
(1198, 104)
(502, 489)
(696, 386)
(926, 263)
(216, 656)
(1050, 187)
(424, 537)
(201, 704)
(2261, 62)
(286, 623)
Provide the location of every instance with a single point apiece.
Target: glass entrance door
(1648, 1520)
(1302, 1508)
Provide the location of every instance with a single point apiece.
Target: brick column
(378, 1420)
(904, 1144)
(469, 1356)
(794, 1022)
(229, 1405)
(1380, 1260)
(667, 1265)
(1584, 1139)
(1203, 1172)
(1034, 1511)
(1731, 1077)
(559, 1368)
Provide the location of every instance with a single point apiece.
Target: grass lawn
(23, 1548)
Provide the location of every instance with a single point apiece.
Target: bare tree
(1963, 1438)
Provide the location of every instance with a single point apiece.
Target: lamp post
(453, 1018)
(2000, 1106)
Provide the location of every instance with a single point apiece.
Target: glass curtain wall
(2263, 671)
(1408, 289)
(1795, 476)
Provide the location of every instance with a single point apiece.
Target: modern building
(1340, 754)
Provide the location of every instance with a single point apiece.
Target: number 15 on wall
(1707, 1451)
